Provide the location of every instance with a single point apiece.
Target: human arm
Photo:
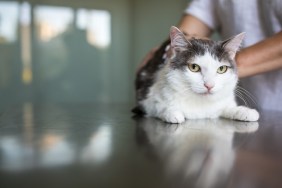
(194, 27)
(188, 24)
(261, 57)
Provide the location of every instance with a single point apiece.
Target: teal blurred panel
(10, 68)
(66, 52)
(69, 60)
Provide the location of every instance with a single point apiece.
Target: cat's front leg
(241, 113)
(172, 116)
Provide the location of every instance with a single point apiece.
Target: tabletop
(92, 145)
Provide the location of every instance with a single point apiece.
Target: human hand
(146, 59)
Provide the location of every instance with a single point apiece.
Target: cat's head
(204, 67)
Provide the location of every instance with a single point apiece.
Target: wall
(67, 69)
(152, 21)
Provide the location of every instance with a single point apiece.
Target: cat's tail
(138, 110)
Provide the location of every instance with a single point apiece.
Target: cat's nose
(208, 86)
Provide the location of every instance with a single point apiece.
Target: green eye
(194, 67)
(222, 69)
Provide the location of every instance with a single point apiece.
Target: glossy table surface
(101, 146)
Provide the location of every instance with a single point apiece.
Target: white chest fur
(162, 101)
(170, 99)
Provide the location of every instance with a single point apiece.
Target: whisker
(241, 97)
(248, 94)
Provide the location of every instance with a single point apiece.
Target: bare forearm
(262, 57)
(193, 26)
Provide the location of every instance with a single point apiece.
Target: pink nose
(208, 86)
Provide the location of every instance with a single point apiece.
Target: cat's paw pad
(245, 114)
(174, 117)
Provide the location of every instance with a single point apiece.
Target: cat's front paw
(242, 113)
(173, 117)
(253, 115)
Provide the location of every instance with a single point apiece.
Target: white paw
(243, 113)
(173, 117)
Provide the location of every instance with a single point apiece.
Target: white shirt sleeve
(205, 11)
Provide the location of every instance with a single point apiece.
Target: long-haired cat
(197, 80)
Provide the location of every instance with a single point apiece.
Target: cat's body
(197, 81)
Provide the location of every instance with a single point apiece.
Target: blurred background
(86, 51)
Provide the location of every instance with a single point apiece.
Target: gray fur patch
(198, 47)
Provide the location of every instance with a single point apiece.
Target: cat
(196, 80)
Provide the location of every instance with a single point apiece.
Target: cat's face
(207, 75)
(204, 67)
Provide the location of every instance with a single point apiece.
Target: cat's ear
(177, 38)
(233, 44)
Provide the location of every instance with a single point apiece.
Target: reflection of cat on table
(198, 153)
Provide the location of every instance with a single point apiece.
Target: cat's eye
(222, 69)
(194, 67)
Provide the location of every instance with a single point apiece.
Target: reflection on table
(198, 153)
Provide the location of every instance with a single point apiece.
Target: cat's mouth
(201, 91)
(206, 93)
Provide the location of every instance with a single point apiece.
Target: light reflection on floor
(72, 145)
(52, 148)
(99, 146)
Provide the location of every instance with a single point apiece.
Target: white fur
(177, 95)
